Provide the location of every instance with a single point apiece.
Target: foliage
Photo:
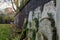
(5, 18)
(50, 15)
(7, 33)
(34, 35)
(11, 18)
(37, 23)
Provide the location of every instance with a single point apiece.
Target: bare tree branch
(13, 5)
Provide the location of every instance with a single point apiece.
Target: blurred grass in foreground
(5, 31)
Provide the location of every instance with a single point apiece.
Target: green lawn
(5, 31)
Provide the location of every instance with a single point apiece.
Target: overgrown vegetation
(5, 32)
(5, 19)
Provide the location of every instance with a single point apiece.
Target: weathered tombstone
(37, 9)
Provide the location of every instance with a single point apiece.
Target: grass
(5, 31)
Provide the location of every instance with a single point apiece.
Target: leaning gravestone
(43, 30)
